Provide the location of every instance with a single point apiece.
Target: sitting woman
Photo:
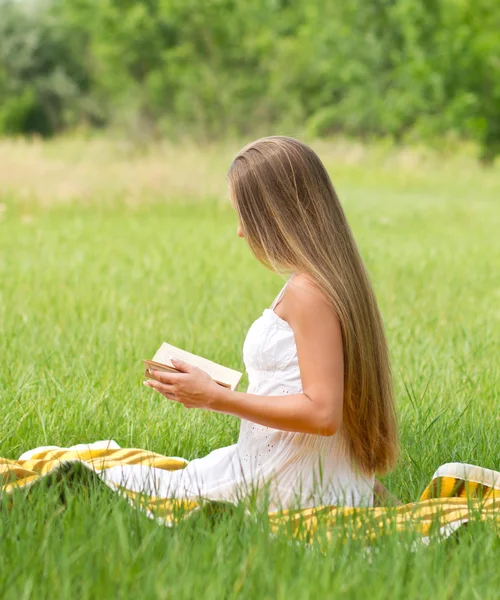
(318, 418)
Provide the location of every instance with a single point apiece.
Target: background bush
(411, 69)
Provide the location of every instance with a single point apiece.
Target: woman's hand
(193, 387)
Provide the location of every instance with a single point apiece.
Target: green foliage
(43, 79)
(404, 68)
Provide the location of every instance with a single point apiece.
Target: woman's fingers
(165, 389)
(168, 391)
(164, 376)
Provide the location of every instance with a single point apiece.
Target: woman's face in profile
(239, 231)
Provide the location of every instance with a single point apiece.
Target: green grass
(89, 289)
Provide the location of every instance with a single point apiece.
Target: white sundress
(290, 469)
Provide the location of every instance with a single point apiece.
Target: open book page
(223, 375)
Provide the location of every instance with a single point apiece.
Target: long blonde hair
(292, 220)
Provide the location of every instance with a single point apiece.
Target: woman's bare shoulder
(317, 329)
(304, 297)
(304, 289)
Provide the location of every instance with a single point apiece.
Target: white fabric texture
(286, 469)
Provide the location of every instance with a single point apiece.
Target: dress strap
(280, 295)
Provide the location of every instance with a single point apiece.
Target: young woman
(318, 418)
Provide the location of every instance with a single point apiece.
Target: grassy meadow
(107, 250)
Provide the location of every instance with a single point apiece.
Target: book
(161, 362)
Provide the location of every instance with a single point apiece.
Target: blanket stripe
(456, 494)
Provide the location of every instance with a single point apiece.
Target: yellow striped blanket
(456, 494)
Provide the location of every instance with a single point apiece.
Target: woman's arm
(296, 413)
(319, 348)
(318, 339)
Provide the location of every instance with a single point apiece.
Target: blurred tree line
(404, 68)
